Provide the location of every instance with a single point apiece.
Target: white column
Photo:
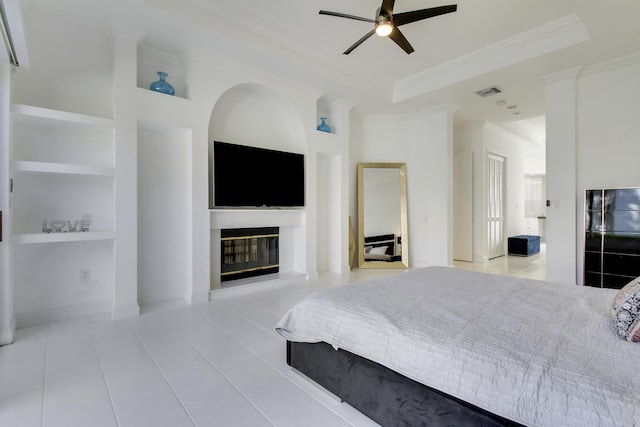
(340, 111)
(561, 117)
(431, 218)
(7, 319)
(125, 295)
(200, 238)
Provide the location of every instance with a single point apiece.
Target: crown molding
(590, 70)
(504, 132)
(544, 39)
(614, 64)
(569, 73)
(427, 112)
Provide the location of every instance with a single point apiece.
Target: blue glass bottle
(324, 127)
(162, 85)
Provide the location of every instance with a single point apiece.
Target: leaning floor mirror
(382, 215)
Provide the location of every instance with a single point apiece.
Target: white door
(495, 206)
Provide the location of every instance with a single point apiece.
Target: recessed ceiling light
(511, 107)
(501, 102)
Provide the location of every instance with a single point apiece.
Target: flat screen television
(251, 177)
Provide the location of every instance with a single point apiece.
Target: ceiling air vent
(489, 91)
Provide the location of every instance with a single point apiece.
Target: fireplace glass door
(248, 252)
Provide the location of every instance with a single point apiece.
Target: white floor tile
(21, 407)
(164, 411)
(284, 403)
(219, 363)
(232, 409)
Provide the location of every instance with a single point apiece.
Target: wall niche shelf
(34, 115)
(62, 168)
(62, 237)
(24, 166)
(150, 60)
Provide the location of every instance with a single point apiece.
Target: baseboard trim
(7, 335)
(62, 313)
(124, 311)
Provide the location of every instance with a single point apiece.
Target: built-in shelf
(151, 59)
(60, 168)
(63, 237)
(38, 114)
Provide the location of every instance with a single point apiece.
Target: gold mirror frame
(363, 189)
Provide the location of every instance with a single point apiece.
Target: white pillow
(379, 250)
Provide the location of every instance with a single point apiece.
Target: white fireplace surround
(292, 238)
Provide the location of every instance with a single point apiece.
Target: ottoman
(524, 245)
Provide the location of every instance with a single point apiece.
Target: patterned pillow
(628, 317)
(624, 294)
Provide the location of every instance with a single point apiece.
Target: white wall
(47, 281)
(111, 81)
(592, 128)
(608, 146)
(481, 139)
(68, 72)
(164, 211)
(424, 142)
(252, 115)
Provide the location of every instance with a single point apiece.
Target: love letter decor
(61, 226)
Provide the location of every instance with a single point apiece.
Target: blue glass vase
(162, 85)
(324, 127)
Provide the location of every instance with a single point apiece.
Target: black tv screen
(251, 177)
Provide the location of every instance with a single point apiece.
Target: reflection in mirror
(382, 215)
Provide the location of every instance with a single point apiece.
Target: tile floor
(219, 363)
(528, 267)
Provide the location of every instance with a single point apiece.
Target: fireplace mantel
(293, 235)
(237, 218)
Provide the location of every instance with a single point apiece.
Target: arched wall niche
(259, 116)
(256, 115)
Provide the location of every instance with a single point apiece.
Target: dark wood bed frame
(388, 398)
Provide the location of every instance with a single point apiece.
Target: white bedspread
(539, 353)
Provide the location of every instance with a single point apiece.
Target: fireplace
(248, 252)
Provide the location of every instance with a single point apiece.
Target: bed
(380, 248)
(443, 346)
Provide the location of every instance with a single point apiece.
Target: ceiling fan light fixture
(384, 28)
(387, 24)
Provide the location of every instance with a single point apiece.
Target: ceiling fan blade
(419, 15)
(359, 42)
(397, 36)
(387, 7)
(344, 15)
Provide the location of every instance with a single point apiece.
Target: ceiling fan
(386, 22)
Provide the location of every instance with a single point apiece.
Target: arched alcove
(256, 115)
